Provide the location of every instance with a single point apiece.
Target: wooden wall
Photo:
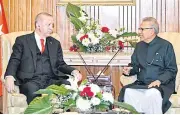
(21, 14)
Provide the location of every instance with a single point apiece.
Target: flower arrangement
(86, 98)
(90, 97)
(90, 36)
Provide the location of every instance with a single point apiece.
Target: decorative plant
(86, 98)
(90, 36)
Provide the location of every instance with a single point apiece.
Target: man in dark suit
(37, 60)
(154, 62)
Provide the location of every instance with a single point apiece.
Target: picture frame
(98, 2)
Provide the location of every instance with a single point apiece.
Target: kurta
(154, 61)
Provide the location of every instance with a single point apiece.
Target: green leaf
(99, 95)
(77, 23)
(40, 105)
(103, 106)
(44, 91)
(126, 106)
(69, 104)
(73, 10)
(60, 90)
(73, 13)
(127, 34)
(84, 82)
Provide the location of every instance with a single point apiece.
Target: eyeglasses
(142, 29)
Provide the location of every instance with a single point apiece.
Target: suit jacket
(22, 63)
(154, 61)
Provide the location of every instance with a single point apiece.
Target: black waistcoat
(43, 72)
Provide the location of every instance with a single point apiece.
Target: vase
(89, 111)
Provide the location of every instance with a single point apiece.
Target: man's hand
(9, 83)
(76, 74)
(126, 70)
(154, 83)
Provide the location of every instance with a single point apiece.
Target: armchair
(13, 103)
(174, 38)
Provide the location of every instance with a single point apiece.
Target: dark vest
(43, 72)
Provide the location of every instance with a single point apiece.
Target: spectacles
(142, 29)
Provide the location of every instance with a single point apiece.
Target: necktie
(42, 45)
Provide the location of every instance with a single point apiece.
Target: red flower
(107, 48)
(121, 44)
(90, 94)
(82, 93)
(71, 48)
(83, 37)
(105, 29)
(87, 89)
(86, 92)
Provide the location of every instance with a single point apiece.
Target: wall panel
(21, 14)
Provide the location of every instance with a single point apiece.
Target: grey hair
(40, 14)
(154, 23)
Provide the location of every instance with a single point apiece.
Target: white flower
(83, 104)
(79, 35)
(73, 81)
(88, 27)
(94, 39)
(121, 39)
(85, 41)
(108, 97)
(113, 33)
(81, 31)
(95, 101)
(67, 86)
(81, 87)
(83, 18)
(95, 88)
(74, 95)
(99, 34)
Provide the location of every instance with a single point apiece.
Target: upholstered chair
(13, 103)
(174, 38)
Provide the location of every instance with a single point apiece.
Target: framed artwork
(98, 2)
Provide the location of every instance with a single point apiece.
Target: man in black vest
(37, 60)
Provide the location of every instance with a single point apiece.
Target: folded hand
(154, 83)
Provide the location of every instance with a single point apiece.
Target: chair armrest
(125, 80)
(13, 100)
(178, 90)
